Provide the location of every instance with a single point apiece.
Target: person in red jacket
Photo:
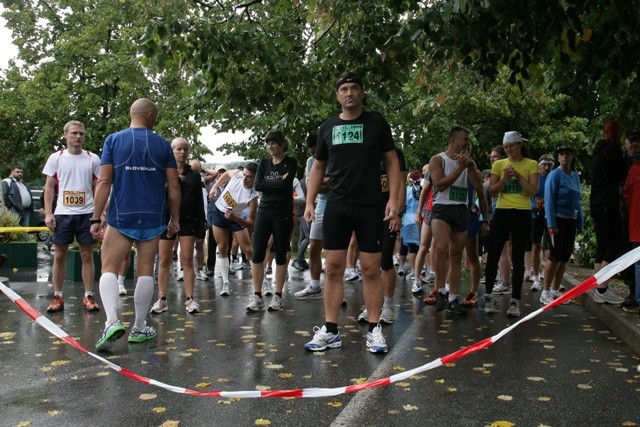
(631, 193)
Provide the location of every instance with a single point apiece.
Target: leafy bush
(10, 219)
(585, 253)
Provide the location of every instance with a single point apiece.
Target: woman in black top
(193, 225)
(274, 180)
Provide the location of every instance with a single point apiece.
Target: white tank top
(457, 193)
(235, 195)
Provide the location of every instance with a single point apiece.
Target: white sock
(120, 280)
(452, 297)
(58, 293)
(315, 284)
(388, 302)
(443, 290)
(109, 296)
(142, 299)
(223, 264)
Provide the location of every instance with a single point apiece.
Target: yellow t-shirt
(512, 195)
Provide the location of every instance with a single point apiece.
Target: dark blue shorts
(217, 219)
(70, 226)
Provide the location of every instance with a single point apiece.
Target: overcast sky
(209, 137)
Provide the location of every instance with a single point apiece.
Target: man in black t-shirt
(349, 146)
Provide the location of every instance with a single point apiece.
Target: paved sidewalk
(623, 324)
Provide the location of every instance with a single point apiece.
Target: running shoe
(147, 334)
(296, 264)
(352, 276)
(304, 264)
(246, 265)
(489, 304)
(275, 304)
(180, 276)
(454, 307)
(191, 306)
(226, 289)
(608, 297)
(323, 340)
(309, 292)
(502, 289)
(536, 285)
(432, 297)
(121, 289)
(514, 308)
(363, 317)
(416, 288)
(267, 287)
(201, 275)
(57, 304)
(528, 276)
(255, 303)
(401, 270)
(471, 300)
(545, 297)
(268, 271)
(430, 277)
(375, 341)
(160, 306)
(387, 316)
(89, 304)
(441, 301)
(411, 275)
(111, 333)
(235, 265)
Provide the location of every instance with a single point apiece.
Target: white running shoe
(191, 306)
(309, 293)
(276, 304)
(364, 316)
(502, 289)
(376, 342)
(608, 297)
(255, 303)
(160, 306)
(545, 297)
(323, 340)
(267, 288)
(225, 291)
(180, 276)
(489, 304)
(387, 316)
(121, 289)
(201, 275)
(514, 308)
(536, 285)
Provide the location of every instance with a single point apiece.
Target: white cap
(512, 137)
(218, 167)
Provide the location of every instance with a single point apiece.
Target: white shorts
(316, 225)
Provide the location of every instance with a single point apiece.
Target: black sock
(372, 326)
(279, 294)
(258, 294)
(331, 327)
(163, 298)
(602, 290)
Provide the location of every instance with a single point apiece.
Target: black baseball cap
(633, 134)
(564, 148)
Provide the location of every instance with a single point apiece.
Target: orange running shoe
(470, 300)
(90, 304)
(57, 304)
(432, 297)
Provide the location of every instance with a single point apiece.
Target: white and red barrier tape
(606, 273)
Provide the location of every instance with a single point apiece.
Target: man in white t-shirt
(74, 171)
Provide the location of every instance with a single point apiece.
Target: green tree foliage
(79, 60)
(554, 70)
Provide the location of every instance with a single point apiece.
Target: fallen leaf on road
(544, 399)
(148, 396)
(360, 380)
(262, 422)
(505, 397)
(60, 362)
(203, 385)
(584, 386)
(502, 424)
(170, 423)
(159, 409)
(285, 375)
(409, 407)
(335, 404)
(536, 379)
(54, 413)
(24, 423)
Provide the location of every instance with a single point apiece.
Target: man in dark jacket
(17, 195)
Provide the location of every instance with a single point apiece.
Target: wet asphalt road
(563, 368)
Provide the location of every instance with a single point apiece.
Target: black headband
(349, 79)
